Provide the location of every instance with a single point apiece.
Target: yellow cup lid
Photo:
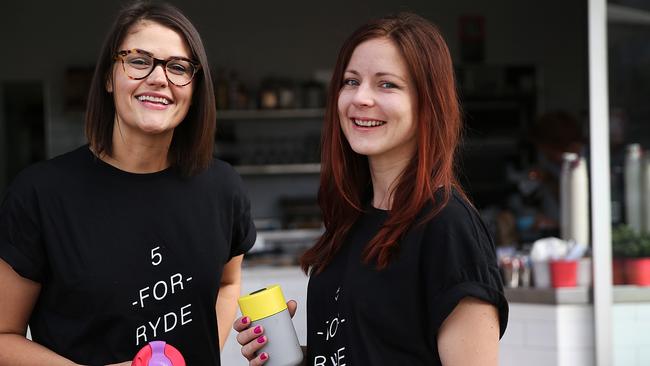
(262, 303)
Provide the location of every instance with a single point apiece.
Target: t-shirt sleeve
(244, 232)
(20, 234)
(462, 264)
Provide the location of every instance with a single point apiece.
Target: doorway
(22, 127)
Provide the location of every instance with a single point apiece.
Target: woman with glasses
(139, 235)
(405, 272)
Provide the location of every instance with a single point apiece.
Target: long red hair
(345, 177)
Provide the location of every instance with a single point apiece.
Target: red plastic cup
(638, 271)
(564, 273)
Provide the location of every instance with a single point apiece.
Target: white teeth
(368, 123)
(150, 98)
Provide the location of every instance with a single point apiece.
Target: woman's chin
(364, 149)
(156, 128)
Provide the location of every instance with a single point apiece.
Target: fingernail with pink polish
(263, 356)
(257, 330)
(261, 339)
(244, 320)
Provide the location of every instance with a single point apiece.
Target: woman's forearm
(15, 350)
(229, 292)
(226, 310)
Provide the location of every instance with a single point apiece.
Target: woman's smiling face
(377, 102)
(153, 105)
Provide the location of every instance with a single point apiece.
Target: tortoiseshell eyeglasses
(138, 64)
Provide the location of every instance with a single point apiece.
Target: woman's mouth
(153, 99)
(368, 122)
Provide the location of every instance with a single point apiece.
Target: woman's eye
(177, 68)
(139, 62)
(350, 82)
(387, 85)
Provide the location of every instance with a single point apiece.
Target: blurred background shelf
(254, 114)
(278, 169)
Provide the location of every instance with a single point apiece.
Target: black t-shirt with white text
(358, 315)
(122, 258)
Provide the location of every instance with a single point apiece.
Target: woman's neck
(135, 154)
(385, 175)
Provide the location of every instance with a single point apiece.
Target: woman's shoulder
(223, 170)
(458, 223)
(221, 174)
(222, 166)
(456, 210)
(51, 172)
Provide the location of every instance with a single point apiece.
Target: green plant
(643, 245)
(627, 243)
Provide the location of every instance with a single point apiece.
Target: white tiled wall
(631, 334)
(563, 335)
(545, 335)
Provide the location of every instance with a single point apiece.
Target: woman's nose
(363, 96)
(157, 76)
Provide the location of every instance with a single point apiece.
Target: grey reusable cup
(268, 308)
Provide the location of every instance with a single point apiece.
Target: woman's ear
(109, 85)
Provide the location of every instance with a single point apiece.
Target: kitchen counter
(574, 295)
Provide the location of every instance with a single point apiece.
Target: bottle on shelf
(269, 94)
(574, 199)
(313, 94)
(237, 95)
(632, 178)
(646, 193)
(286, 94)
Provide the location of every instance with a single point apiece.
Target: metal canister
(574, 199)
(632, 174)
(645, 192)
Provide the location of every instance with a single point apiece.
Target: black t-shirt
(123, 258)
(361, 316)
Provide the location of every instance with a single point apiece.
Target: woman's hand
(252, 339)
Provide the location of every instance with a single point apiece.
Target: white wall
(292, 38)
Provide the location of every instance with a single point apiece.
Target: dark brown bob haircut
(193, 142)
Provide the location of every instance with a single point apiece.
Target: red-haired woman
(405, 273)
